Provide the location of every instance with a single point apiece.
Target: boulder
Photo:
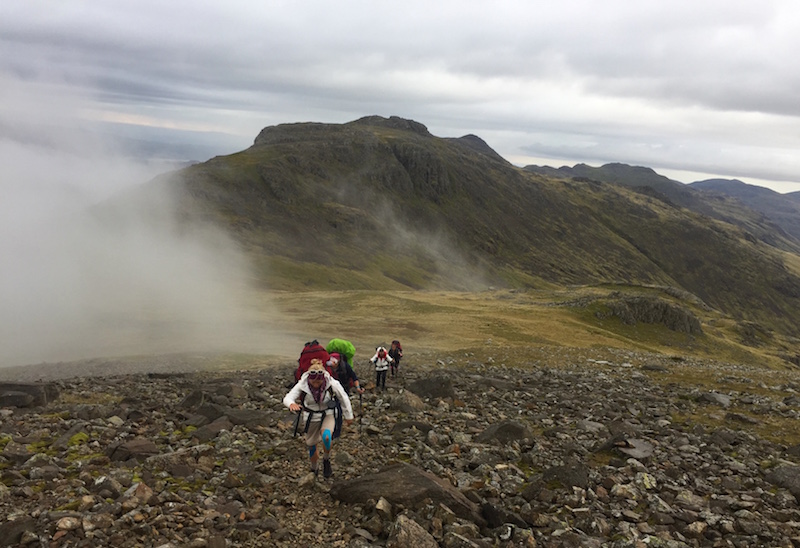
(406, 485)
(440, 386)
(41, 393)
(505, 432)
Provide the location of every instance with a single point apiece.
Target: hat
(334, 359)
(316, 365)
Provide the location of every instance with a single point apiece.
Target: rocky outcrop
(652, 310)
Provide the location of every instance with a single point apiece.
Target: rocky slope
(571, 448)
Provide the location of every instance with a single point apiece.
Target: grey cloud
(512, 68)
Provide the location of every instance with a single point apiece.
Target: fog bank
(87, 271)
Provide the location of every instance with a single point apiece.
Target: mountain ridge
(383, 204)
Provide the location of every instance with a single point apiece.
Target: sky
(694, 90)
(97, 97)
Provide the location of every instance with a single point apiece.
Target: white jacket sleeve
(293, 395)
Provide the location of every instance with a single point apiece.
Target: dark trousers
(380, 381)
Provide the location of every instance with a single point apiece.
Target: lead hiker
(381, 360)
(324, 405)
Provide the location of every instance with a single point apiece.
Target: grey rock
(41, 393)
(439, 386)
(405, 485)
(505, 432)
(406, 532)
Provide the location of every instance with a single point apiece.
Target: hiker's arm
(352, 373)
(290, 400)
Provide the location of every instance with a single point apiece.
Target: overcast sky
(707, 87)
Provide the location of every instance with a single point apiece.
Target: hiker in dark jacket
(315, 394)
(396, 352)
(344, 373)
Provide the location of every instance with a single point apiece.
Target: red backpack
(312, 350)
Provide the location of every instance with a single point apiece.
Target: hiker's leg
(313, 437)
(313, 457)
(328, 424)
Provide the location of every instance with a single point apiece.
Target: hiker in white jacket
(381, 359)
(324, 405)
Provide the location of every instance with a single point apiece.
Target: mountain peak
(394, 122)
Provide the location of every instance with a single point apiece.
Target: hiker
(324, 405)
(345, 374)
(346, 351)
(396, 352)
(381, 359)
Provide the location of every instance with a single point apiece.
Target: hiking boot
(326, 468)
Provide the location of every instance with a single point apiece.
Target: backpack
(312, 350)
(343, 348)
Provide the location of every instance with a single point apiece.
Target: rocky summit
(576, 448)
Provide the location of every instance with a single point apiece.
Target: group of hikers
(321, 393)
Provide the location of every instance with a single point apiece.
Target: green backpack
(343, 347)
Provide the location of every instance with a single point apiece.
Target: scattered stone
(461, 453)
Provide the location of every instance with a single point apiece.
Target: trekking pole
(296, 423)
(360, 412)
(297, 419)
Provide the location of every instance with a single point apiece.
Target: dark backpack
(312, 350)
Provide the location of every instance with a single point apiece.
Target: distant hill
(380, 203)
(781, 209)
(763, 223)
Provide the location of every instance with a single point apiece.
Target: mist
(94, 267)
